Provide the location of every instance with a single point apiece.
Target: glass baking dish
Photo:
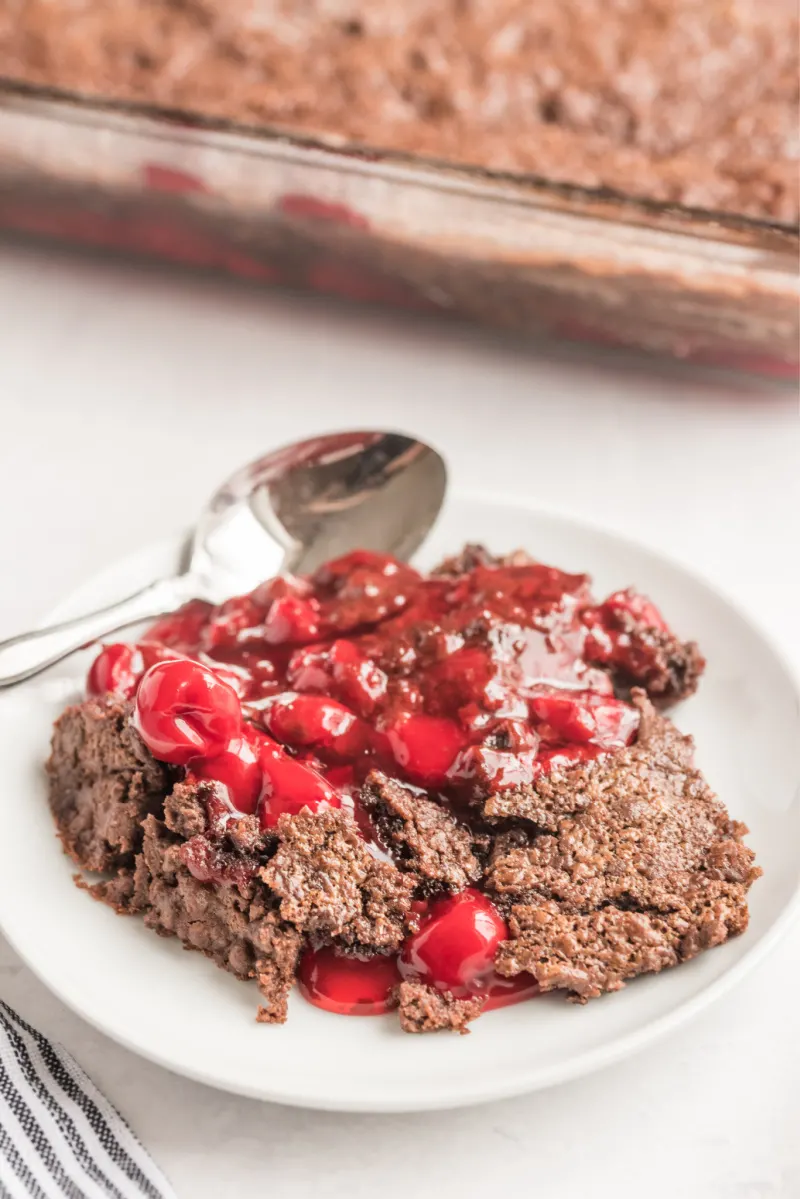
(513, 252)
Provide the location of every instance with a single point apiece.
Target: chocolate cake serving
(439, 794)
(689, 101)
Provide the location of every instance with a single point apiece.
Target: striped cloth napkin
(58, 1135)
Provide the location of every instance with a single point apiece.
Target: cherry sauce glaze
(462, 684)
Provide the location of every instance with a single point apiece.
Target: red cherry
(119, 667)
(183, 711)
(237, 770)
(232, 621)
(585, 716)
(309, 669)
(347, 986)
(425, 747)
(181, 629)
(290, 786)
(610, 624)
(266, 593)
(341, 670)
(455, 947)
(363, 588)
(462, 679)
(292, 621)
(318, 722)
(359, 681)
(116, 669)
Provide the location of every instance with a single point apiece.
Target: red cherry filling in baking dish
(443, 793)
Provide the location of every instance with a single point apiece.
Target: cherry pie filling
(463, 685)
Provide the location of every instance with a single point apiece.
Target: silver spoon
(288, 511)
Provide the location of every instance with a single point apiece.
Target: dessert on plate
(441, 794)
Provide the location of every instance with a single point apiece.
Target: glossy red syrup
(503, 992)
(287, 697)
(348, 986)
(453, 951)
(448, 682)
(237, 769)
(210, 864)
(290, 786)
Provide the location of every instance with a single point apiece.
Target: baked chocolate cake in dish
(441, 794)
(683, 101)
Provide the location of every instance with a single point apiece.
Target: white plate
(179, 1010)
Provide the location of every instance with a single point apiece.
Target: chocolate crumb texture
(587, 953)
(423, 1009)
(103, 782)
(237, 927)
(421, 835)
(644, 826)
(185, 809)
(566, 790)
(642, 869)
(331, 887)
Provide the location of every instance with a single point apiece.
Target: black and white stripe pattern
(59, 1137)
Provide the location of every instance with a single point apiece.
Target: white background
(126, 394)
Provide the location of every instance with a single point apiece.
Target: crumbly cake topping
(104, 783)
(421, 836)
(672, 100)
(587, 953)
(423, 1009)
(641, 868)
(332, 887)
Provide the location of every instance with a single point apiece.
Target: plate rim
(532, 1078)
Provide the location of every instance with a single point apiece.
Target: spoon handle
(29, 653)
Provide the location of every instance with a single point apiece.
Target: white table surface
(126, 394)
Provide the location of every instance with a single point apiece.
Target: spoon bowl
(288, 511)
